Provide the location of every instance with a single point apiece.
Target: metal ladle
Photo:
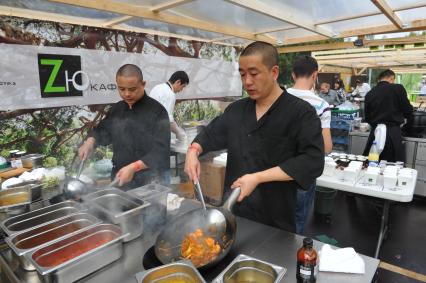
(75, 188)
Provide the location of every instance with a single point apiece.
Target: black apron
(394, 149)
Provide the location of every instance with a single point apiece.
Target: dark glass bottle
(307, 267)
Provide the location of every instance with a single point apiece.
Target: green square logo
(61, 75)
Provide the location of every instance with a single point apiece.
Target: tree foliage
(58, 131)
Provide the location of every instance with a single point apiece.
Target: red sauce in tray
(51, 235)
(50, 259)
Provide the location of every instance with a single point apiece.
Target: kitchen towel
(340, 260)
(380, 136)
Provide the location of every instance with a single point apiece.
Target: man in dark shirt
(273, 139)
(138, 129)
(387, 103)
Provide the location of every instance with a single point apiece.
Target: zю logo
(61, 75)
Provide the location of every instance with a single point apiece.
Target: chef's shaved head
(268, 52)
(130, 70)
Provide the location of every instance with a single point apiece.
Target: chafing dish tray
(35, 187)
(180, 271)
(120, 208)
(30, 240)
(39, 217)
(78, 255)
(250, 270)
(15, 200)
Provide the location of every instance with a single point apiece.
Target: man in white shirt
(361, 88)
(423, 87)
(165, 93)
(305, 72)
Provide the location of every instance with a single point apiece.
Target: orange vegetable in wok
(200, 249)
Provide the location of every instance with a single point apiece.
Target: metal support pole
(383, 227)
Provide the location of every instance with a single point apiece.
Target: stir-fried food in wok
(199, 248)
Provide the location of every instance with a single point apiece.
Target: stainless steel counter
(365, 134)
(253, 239)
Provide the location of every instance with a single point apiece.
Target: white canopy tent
(232, 22)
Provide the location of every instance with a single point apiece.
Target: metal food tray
(39, 217)
(33, 238)
(180, 271)
(17, 207)
(156, 195)
(120, 208)
(34, 186)
(83, 264)
(249, 269)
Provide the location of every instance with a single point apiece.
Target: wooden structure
(232, 22)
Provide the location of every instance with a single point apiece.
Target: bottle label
(307, 270)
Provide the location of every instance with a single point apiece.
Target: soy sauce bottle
(307, 267)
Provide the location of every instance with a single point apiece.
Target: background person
(329, 95)
(423, 87)
(305, 72)
(362, 88)
(165, 93)
(138, 129)
(387, 103)
(339, 87)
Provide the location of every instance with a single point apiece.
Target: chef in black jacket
(139, 130)
(273, 139)
(387, 103)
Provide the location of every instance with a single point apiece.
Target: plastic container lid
(20, 153)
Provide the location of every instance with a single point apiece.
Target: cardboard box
(186, 190)
(420, 99)
(212, 179)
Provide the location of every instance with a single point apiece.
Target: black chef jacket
(387, 104)
(138, 133)
(288, 135)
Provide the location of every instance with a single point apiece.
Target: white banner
(39, 77)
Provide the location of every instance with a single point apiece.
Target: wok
(218, 223)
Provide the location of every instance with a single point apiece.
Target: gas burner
(150, 260)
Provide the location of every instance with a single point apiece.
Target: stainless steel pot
(419, 118)
(34, 160)
(218, 223)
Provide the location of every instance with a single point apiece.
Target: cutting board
(13, 173)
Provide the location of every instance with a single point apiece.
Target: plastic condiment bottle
(18, 160)
(12, 156)
(373, 155)
(307, 262)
